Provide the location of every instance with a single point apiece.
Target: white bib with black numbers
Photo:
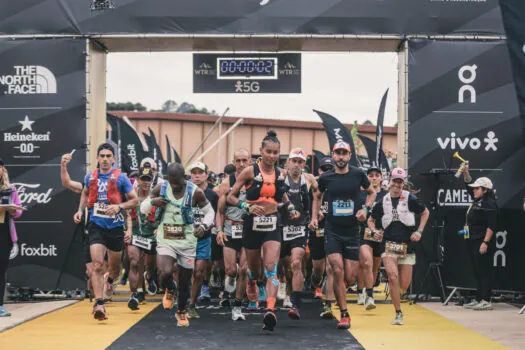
(264, 223)
(141, 242)
(236, 231)
(292, 232)
(99, 209)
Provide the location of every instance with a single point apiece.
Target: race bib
(99, 209)
(264, 223)
(394, 248)
(293, 232)
(236, 231)
(141, 242)
(369, 236)
(319, 232)
(343, 208)
(174, 232)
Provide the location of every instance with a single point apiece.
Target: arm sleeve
(415, 205)
(209, 215)
(16, 201)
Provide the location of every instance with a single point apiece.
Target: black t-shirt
(482, 214)
(397, 231)
(213, 198)
(341, 192)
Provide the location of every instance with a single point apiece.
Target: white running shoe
(360, 299)
(281, 292)
(482, 306)
(471, 305)
(398, 321)
(237, 314)
(369, 303)
(287, 303)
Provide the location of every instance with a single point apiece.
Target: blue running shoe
(4, 312)
(262, 293)
(205, 293)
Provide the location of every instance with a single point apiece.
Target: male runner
(104, 192)
(342, 240)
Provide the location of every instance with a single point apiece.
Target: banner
(371, 149)
(380, 158)
(130, 150)
(424, 17)
(513, 20)
(176, 156)
(462, 99)
(335, 131)
(169, 153)
(42, 100)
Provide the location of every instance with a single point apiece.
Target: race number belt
(394, 248)
(319, 232)
(264, 223)
(236, 231)
(174, 232)
(343, 208)
(292, 232)
(99, 209)
(142, 242)
(369, 236)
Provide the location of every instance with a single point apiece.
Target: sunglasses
(146, 178)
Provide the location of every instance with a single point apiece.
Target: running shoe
(237, 314)
(269, 321)
(123, 280)
(133, 303)
(398, 321)
(287, 303)
(318, 293)
(192, 312)
(360, 299)
(252, 306)
(167, 300)
(225, 303)
(369, 303)
(482, 306)
(205, 293)
(152, 285)
(252, 291)
(230, 284)
(182, 319)
(99, 312)
(326, 312)
(344, 323)
(4, 312)
(262, 293)
(471, 305)
(294, 313)
(281, 292)
(141, 296)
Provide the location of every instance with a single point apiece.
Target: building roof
(207, 118)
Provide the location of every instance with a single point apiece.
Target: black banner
(380, 158)
(462, 99)
(252, 17)
(335, 131)
(131, 151)
(42, 100)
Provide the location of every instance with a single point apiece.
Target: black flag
(129, 144)
(176, 156)
(335, 131)
(169, 157)
(370, 146)
(317, 161)
(162, 166)
(379, 156)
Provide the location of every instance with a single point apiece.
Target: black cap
(106, 146)
(145, 172)
(326, 161)
(373, 168)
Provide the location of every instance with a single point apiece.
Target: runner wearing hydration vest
(177, 235)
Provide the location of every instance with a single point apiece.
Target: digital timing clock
(247, 67)
(247, 73)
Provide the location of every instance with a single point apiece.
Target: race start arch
(461, 88)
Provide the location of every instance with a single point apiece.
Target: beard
(341, 164)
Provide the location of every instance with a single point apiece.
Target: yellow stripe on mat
(423, 329)
(74, 328)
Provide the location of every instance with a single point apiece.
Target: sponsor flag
(380, 158)
(130, 147)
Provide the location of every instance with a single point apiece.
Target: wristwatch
(121, 206)
(487, 243)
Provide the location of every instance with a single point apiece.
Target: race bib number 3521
(264, 223)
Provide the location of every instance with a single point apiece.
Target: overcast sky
(347, 85)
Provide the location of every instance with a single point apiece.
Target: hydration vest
(300, 200)
(113, 194)
(253, 193)
(186, 209)
(404, 215)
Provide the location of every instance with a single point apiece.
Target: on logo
(467, 79)
(501, 242)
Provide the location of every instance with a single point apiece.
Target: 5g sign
(247, 86)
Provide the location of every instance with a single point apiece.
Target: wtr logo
(29, 80)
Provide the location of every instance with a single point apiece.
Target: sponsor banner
(253, 17)
(42, 100)
(462, 100)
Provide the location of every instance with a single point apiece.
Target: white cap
(482, 182)
(297, 153)
(198, 165)
(151, 162)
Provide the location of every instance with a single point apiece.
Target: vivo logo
(467, 75)
(474, 143)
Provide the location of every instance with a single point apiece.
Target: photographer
(481, 224)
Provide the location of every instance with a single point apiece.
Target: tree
(125, 106)
(169, 106)
(368, 122)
